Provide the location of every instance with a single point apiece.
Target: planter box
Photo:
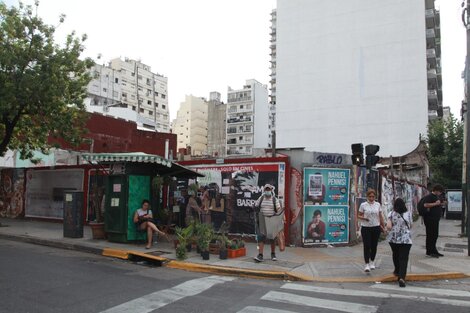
(236, 253)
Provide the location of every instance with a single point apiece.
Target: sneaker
(401, 282)
(259, 258)
(372, 265)
(273, 256)
(439, 254)
(367, 268)
(432, 255)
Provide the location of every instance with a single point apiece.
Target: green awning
(164, 166)
(137, 157)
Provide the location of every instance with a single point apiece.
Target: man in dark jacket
(431, 220)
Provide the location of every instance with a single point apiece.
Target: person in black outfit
(431, 219)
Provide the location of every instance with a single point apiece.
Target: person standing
(270, 221)
(399, 237)
(372, 223)
(431, 220)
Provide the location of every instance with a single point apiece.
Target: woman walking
(372, 223)
(399, 238)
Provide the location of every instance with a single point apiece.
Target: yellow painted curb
(148, 256)
(115, 253)
(194, 267)
(391, 278)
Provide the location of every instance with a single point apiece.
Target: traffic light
(357, 153)
(371, 158)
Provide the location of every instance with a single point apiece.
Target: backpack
(422, 211)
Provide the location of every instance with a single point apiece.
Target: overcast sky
(208, 45)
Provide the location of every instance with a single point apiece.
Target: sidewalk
(334, 264)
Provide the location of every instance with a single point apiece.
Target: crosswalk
(301, 297)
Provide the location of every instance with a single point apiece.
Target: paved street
(42, 279)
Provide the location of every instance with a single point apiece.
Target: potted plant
(183, 235)
(205, 235)
(97, 198)
(223, 242)
(237, 248)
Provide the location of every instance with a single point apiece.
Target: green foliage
(445, 152)
(205, 233)
(42, 85)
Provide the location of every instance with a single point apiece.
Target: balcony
(430, 33)
(432, 73)
(234, 120)
(431, 53)
(432, 114)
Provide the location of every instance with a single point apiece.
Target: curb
(226, 270)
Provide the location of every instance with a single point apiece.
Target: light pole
(466, 23)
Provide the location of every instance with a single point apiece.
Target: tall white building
(131, 84)
(216, 125)
(356, 71)
(190, 125)
(247, 118)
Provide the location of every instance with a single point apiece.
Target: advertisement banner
(454, 201)
(325, 224)
(234, 188)
(326, 186)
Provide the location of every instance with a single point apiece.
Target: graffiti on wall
(11, 193)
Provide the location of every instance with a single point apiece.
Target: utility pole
(466, 22)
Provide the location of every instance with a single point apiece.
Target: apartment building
(357, 71)
(190, 125)
(216, 125)
(131, 84)
(247, 118)
(272, 81)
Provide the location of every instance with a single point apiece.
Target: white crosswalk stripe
(260, 309)
(161, 298)
(429, 291)
(342, 306)
(374, 294)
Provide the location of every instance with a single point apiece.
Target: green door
(139, 189)
(116, 208)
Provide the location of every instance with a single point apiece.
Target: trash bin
(73, 217)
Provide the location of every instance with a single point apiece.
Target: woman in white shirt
(372, 223)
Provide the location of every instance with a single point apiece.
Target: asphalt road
(42, 279)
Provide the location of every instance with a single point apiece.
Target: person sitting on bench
(143, 217)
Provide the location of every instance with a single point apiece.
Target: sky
(210, 45)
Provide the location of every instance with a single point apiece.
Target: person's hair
(438, 187)
(371, 191)
(317, 212)
(145, 201)
(399, 206)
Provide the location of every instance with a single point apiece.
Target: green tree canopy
(42, 85)
(445, 152)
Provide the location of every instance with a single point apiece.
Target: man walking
(431, 220)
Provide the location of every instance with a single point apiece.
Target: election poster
(325, 224)
(326, 186)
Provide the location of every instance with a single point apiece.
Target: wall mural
(12, 193)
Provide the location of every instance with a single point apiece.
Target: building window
(163, 106)
(116, 80)
(104, 89)
(163, 96)
(150, 112)
(156, 104)
(132, 74)
(133, 108)
(124, 95)
(148, 81)
(149, 102)
(141, 110)
(241, 107)
(139, 77)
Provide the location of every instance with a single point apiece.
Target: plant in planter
(222, 241)
(237, 248)
(205, 235)
(183, 235)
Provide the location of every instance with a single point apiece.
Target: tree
(42, 85)
(445, 152)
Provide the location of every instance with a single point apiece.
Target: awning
(164, 166)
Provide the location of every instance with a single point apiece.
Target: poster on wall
(454, 201)
(234, 188)
(326, 186)
(325, 224)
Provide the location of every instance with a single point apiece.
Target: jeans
(370, 239)
(400, 253)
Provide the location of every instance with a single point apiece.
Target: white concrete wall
(351, 71)
(261, 118)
